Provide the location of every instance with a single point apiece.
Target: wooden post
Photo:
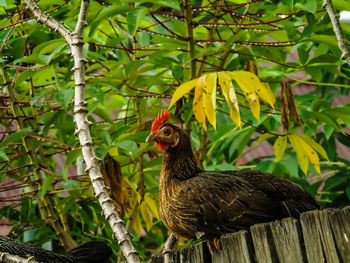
(265, 251)
(319, 243)
(288, 240)
(236, 247)
(319, 236)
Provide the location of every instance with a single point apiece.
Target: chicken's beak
(150, 138)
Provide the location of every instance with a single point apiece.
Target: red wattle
(162, 146)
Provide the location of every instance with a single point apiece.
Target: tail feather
(91, 252)
(293, 208)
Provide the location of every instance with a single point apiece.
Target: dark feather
(89, 252)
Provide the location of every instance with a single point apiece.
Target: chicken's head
(165, 135)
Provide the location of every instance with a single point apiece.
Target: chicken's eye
(167, 132)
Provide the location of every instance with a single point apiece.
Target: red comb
(160, 120)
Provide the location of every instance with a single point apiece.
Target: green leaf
(3, 156)
(101, 152)
(328, 131)
(72, 156)
(64, 97)
(46, 184)
(335, 181)
(303, 54)
(170, 3)
(326, 39)
(134, 19)
(129, 146)
(15, 137)
(114, 102)
(103, 114)
(348, 190)
(308, 6)
(70, 184)
(108, 12)
(321, 116)
(341, 5)
(96, 93)
(289, 165)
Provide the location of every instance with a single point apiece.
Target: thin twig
(342, 41)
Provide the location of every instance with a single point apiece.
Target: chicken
(206, 204)
(88, 252)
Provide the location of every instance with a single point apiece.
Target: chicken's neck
(179, 163)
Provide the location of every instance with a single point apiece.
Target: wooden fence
(318, 236)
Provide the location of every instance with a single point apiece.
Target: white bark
(342, 41)
(168, 249)
(76, 43)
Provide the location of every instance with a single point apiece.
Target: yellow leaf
(299, 150)
(251, 67)
(137, 225)
(311, 153)
(246, 81)
(182, 90)
(265, 137)
(127, 182)
(210, 98)
(198, 101)
(146, 215)
(314, 145)
(230, 96)
(152, 205)
(280, 146)
(113, 151)
(265, 93)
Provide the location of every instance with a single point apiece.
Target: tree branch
(342, 41)
(168, 249)
(76, 43)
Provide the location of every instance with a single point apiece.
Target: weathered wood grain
(193, 254)
(157, 258)
(288, 240)
(264, 247)
(236, 247)
(318, 237)
(340, 224)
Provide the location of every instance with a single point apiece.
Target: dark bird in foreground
(206, 204)
(88, 252)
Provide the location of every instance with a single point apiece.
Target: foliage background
(138, 53)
